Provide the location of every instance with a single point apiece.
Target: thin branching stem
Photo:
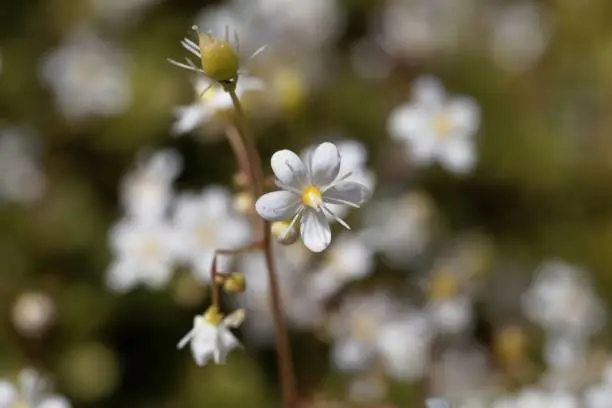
(256, 178)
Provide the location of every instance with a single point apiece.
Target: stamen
(293, 221)
(342, 202)
(259, 51)
(335, 217)
(191, 47)
(336, 181)
(188, 67)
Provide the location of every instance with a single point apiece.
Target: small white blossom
(88, 76)
(451, 316)
(21, 178)
(211, 99)
(211, 336)
(146, 191)
(203, 223)
(561, 300)
(435, 127)
(32, 393)
(33, 313)
(307, 189)
(143, 254)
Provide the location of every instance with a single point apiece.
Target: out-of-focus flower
(203, 223)
(356, 327)
(89, 76)
(460, 373)
(32, 392)
(520, 35)
(436, 403)
(294, 23)
(33, 313)
(146, 191)
(21, 179)
(348, 259)
(211, 102)
(143, 254)
(425, 28)
(562, 301)
(368, 389)
(436, 127)
(211, 336)
(306, 192)
(404, 346)
(121, 11)
(399, 227)
(354, 156)
(451, 316)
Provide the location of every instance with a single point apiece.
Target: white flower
(354, 156)
(204, 223)
(211, 100)
(89, 77)
(32, 393)
(437, 128)
(146, 191)
(33, 313)
(348, 259)
(399, 227)
(143, 254)
(562, 300)
(450, 316)
(436, 403)
(307, 189)
(21, 179)
(211, 336)
(598, 396)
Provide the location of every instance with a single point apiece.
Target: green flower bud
(235, 284)
(219, 60)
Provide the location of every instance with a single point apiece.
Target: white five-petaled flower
(31, 393)
(307, 190)
(211, 336)
(437, 128)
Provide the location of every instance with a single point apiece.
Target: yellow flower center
(443, 285)
(311, 196)
(150, 250)
(442, 125)
(213, 316)
(206, 236)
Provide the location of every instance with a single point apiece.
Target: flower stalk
(248, 156)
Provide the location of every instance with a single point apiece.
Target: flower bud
(235, 284)
(219, 60)
(213, 316)
(283, 233)
(244, 203)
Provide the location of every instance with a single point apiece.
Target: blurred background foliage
(541, 187)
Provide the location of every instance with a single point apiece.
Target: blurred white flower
(296, 24)
(461, 374)
(520, 34)
(353, 156)
(143, 254)
(562, 301)
(598, 396)
(89, 76)
(211, 100)
(404, 346)
(355, 329)
(21, 178)
(204, 223)
(33, 313)
(436, 403)
(450, 316)
(307, 189)
(399, 227)
(436, 127)
(32, 393)
(348, 259)
(211, 336)
(425, 28)
(121, 11)
(368, 389)
(146, 191)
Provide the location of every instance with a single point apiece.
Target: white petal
(188, 118)
(315, 230)
(405, 122)
(348, 190)
(428, 91)
(458, 155)
(8, 394)
(436, 403)
(289, 169)
(464, 113)
(54, 402)
(325, 164)
(277, 205)
(235, 318)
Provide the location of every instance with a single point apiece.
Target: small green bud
(219, 60)
(235, 284)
